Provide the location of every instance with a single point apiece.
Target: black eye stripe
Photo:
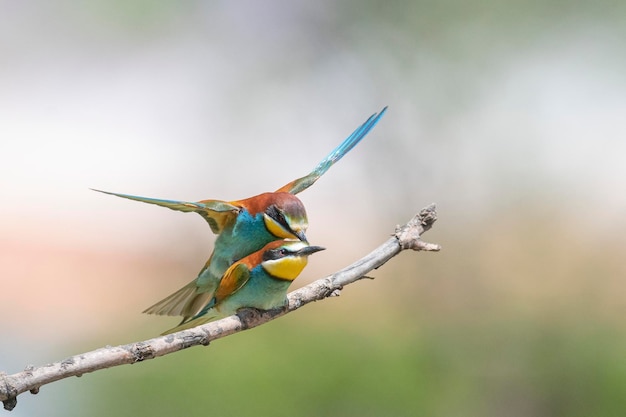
(277, 215)
(275, 254)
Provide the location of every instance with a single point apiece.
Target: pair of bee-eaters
(260, 249)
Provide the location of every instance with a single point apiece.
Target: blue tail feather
(349, 143)
(301, 184)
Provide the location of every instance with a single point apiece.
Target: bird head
(287, 258)
(284, 215)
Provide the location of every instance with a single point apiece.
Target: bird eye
(280, 217)
(276, 214)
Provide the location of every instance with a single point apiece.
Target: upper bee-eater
(260, 280)
(245, 226)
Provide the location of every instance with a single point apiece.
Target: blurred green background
(509, 115)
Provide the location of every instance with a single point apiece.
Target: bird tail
(350, 142)
(186, 302)
(210, 315)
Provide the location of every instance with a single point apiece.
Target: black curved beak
(300, 235)
(308, 250)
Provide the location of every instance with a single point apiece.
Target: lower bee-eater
(260, 280)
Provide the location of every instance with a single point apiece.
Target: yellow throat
(287, 268)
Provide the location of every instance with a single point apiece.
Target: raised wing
(216, 212)
(350, 142)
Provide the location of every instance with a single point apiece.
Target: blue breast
(247, 235)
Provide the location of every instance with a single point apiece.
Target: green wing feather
(186, 302)
(217, 213)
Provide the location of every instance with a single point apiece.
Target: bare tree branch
(32, 378)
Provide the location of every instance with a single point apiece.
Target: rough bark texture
(32, 378)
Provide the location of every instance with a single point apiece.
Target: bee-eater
(260, 280)
(245, 226)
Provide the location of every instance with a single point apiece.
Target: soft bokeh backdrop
(510, 115)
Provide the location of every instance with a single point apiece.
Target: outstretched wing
(216, 212)
(350, 142)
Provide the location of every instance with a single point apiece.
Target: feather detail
(217, 213)
(301, 184)
(186, 302)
